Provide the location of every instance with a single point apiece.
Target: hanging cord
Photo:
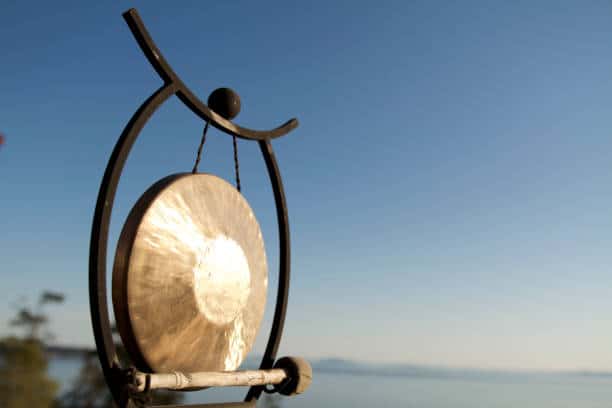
(236, 165)
(199, 156)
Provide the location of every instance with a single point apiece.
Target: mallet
(290, 376)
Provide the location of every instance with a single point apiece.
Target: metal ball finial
(225, 102)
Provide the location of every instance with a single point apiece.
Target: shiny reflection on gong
(222, 280)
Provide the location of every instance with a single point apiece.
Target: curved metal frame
(168, 75)
(114, 374)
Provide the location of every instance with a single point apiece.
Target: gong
(190, 276)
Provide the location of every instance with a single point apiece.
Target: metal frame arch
(99, 239)
(113, 372)
(167, 74)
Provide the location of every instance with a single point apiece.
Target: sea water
(357, 391)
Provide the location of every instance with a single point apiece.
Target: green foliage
(30, 321)
(90, 389)
(23, 364)
(23, 375)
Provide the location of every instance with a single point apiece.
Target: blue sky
(448, 187)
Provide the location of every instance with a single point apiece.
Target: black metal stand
(114, 374)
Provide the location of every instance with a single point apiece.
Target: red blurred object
(2, 139)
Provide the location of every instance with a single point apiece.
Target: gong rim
(139, 355)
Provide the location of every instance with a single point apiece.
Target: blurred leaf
(51, 297)
(26, 318)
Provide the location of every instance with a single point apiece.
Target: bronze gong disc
(190, 276)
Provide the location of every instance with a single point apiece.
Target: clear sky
(449, 186)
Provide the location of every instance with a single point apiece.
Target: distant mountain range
(350, 367)
(342, 366)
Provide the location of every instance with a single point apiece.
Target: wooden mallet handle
(290, 376)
